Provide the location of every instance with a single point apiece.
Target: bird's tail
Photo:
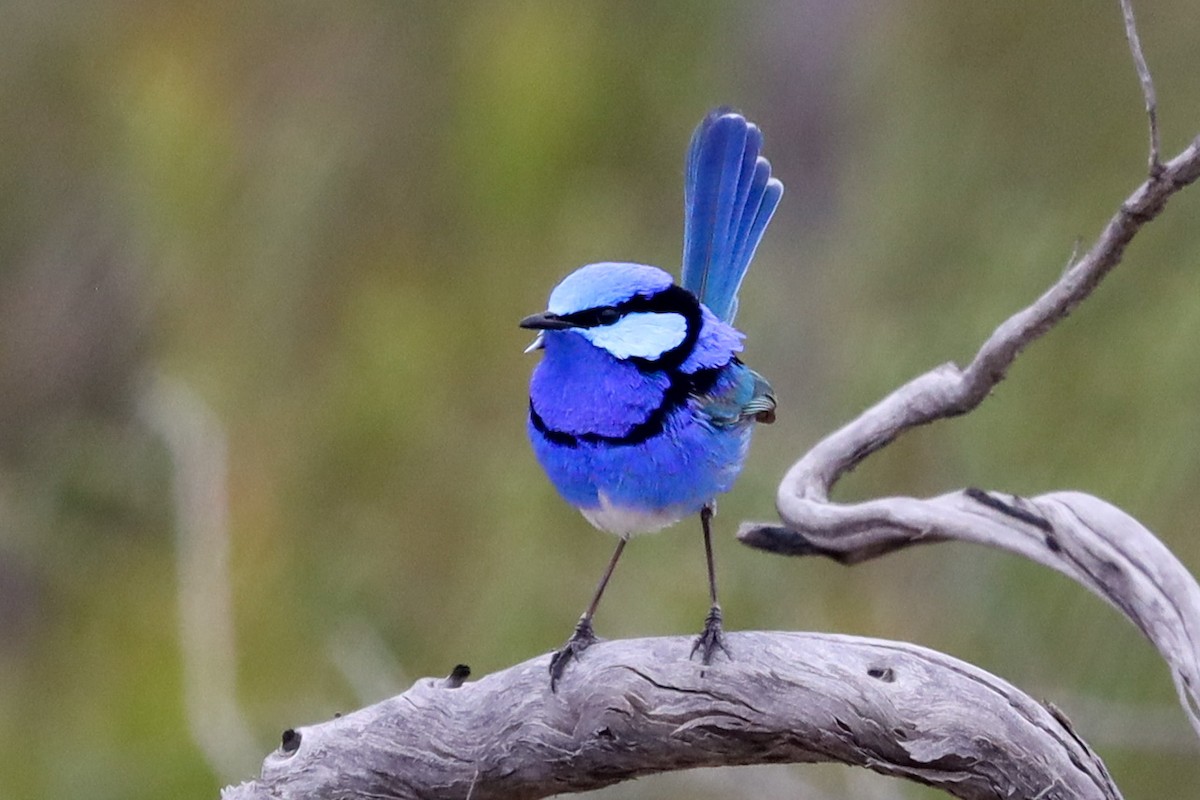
(729, 197)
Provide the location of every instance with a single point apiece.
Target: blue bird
(640, 411)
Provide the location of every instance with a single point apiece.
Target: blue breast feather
(644, 439)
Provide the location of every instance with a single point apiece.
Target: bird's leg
(583, 637)
(711, 639)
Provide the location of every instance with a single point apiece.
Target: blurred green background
(262, 396)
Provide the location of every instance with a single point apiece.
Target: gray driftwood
(1083, 537)
(637, 707)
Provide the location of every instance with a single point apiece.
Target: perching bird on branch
(640, 411)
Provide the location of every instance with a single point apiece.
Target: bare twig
(1091, 541)
(637, 707)
(1148, 93)
(949, 390)
(1166, 609)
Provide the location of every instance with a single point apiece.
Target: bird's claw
(711, 639)
(583, 638)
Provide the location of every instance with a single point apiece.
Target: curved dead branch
(1081, 536)
(636, 707)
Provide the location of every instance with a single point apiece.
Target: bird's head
(630, 310)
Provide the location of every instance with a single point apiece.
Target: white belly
(626, 522)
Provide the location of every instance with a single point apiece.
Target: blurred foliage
(326, 218)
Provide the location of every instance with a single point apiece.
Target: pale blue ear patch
(640, 334)
(608, 283)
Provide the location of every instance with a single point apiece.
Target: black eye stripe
(593, 317)
(672, 300)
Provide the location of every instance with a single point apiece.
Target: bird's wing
(729, 197)
(738, 395)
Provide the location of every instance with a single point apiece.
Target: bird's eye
(607, 316)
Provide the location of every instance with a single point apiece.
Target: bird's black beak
(546, 321)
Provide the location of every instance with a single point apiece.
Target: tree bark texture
(636, 707)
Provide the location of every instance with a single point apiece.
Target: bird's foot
(711, 639)
(583, 638)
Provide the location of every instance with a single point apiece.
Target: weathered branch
(949, 390)
(1083, 537)
(637, 707)
(1144, 78)
(1090, 541)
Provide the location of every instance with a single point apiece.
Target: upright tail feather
(729, 197)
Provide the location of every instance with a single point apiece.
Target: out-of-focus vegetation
(323, 220)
